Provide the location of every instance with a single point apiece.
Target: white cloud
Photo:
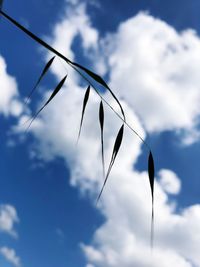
(8, 217)
(10, 255)
(123, 239)
(76, 22)
(76, 3)
(9, 102)
(89, 265)
(72, 2)
(158, 77)
(160, 68)
(169, 181)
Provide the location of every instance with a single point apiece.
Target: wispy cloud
(8, 218)
(10, 255)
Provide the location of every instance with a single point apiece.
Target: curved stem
(107, 103)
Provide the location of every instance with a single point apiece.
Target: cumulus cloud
(10, 255)
(160, 68)
(8, 218)
(157, 79)
(123, 239)
(9, 96)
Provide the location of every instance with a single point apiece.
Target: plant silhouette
(91, 78)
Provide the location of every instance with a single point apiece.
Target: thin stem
(107, 103)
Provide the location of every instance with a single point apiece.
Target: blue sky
(48, 186)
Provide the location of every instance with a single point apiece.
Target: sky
(149, 54)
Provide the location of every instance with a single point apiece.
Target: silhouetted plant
(90, 77)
